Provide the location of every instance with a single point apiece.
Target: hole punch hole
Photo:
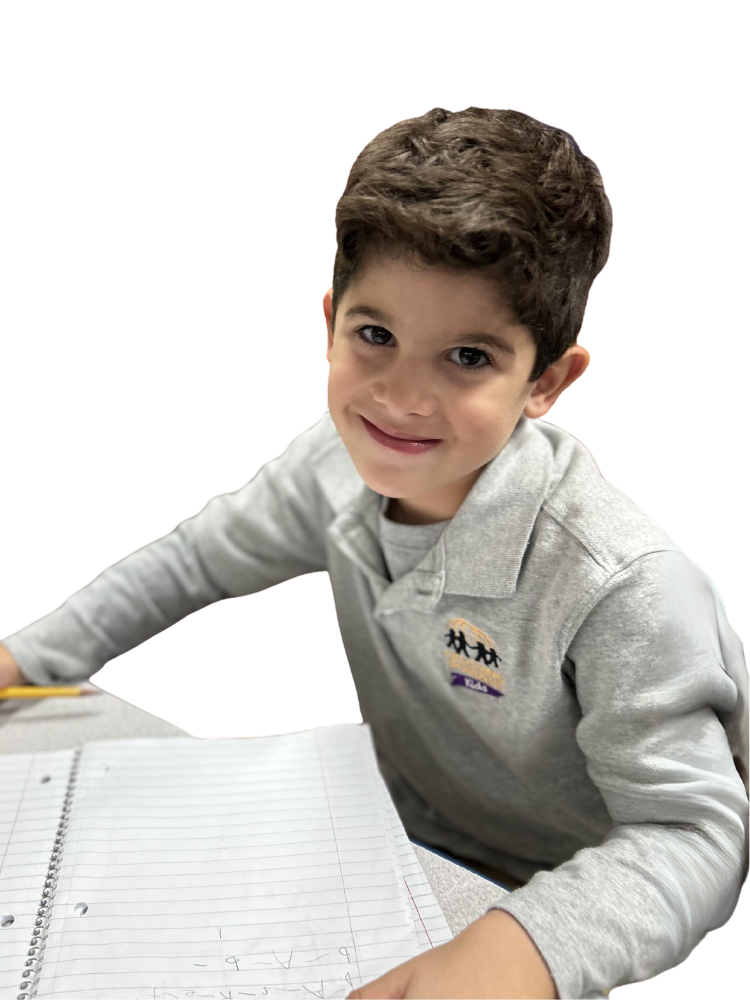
(80, 908)
(7, 919)
(45, 778)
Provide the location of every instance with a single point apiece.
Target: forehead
(404, 290)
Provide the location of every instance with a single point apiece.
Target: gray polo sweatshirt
(553, 689)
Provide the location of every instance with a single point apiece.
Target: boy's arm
(128, 603)
(10, 675)
(270, 530)
(656, 668)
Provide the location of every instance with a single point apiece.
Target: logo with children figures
(473, 659)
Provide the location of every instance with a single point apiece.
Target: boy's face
(428, 377)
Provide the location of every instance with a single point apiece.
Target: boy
(552, 686)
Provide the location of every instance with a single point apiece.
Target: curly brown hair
(492, 191)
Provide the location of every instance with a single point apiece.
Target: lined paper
(32, 789)
(430, 925)
(271, 867)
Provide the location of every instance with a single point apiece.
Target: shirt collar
(486, 540)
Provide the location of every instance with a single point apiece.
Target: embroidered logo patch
(480, 672)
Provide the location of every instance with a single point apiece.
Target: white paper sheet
(430, 925)
(32, 789)
(233, 868)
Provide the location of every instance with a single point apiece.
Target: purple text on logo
(461, 680)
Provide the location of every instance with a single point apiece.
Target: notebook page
(430, 925)
(32, 789)
(257, 867)
(392, 830)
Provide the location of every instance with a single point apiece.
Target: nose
(405, 390)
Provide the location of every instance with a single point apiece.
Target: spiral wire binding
(29, 984)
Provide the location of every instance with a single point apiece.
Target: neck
(403, 513)
(437, 505)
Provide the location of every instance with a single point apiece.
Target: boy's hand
(493, 957)
(10, 675)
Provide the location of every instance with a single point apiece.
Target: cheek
(346, 376)
(342, 386)
(478, 415)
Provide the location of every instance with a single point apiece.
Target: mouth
(409, 445)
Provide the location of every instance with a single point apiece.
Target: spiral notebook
(186, 868)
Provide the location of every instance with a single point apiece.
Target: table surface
(36, 725)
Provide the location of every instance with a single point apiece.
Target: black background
(164, 338)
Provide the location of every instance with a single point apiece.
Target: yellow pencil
(32, 691)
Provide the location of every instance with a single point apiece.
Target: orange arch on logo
(461, 625)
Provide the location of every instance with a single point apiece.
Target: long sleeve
(661, 683)
(128, 603)
(270, 530)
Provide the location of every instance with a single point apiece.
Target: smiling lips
(409, 445)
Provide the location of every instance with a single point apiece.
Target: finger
(391, 986)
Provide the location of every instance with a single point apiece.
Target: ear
(328, 310)
(556, 379)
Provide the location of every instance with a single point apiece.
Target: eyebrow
(466, 339)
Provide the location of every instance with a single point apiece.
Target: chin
(387, 484)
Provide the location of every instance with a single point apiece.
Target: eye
(469, 357)
(375, 336)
